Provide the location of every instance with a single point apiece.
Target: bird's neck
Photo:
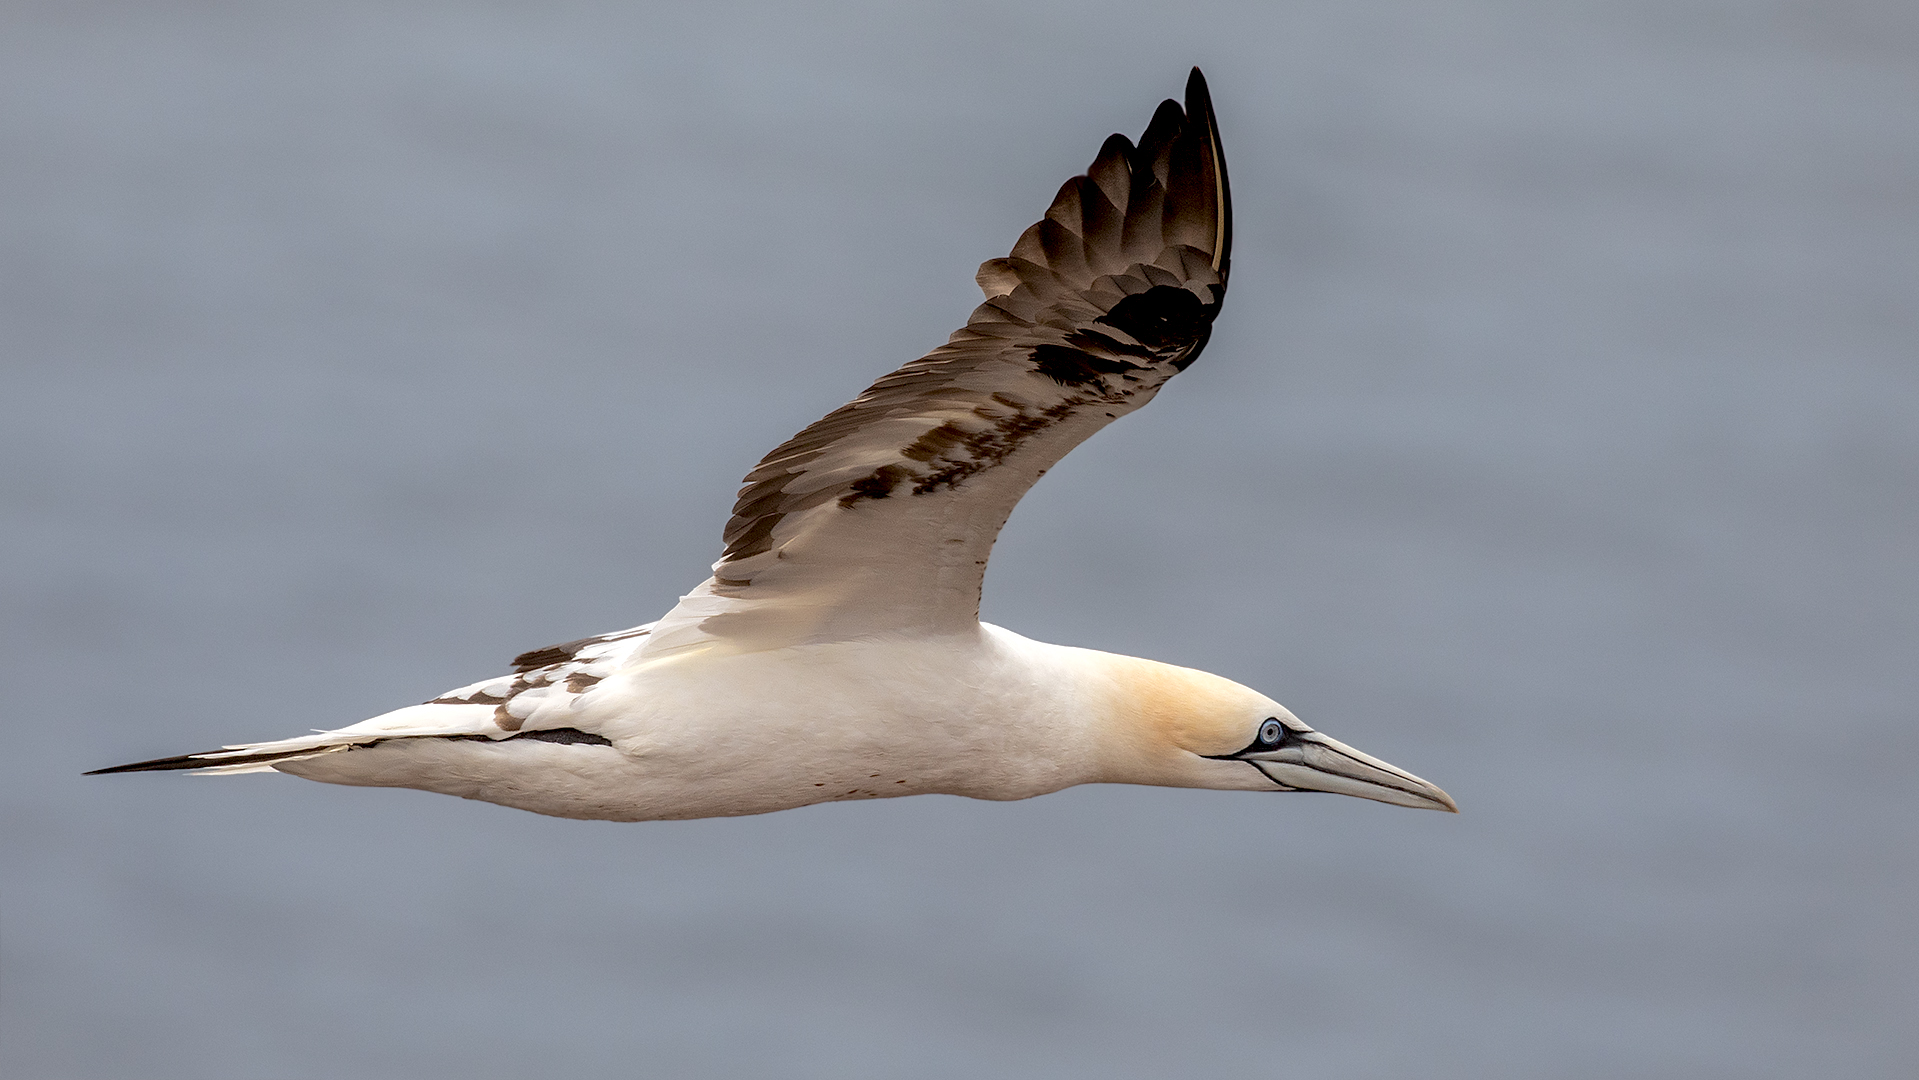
(1143, 721)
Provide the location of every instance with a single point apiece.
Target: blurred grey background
(1558, 443)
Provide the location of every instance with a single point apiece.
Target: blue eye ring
(1271, 732)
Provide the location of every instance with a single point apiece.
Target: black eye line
(1286, 735)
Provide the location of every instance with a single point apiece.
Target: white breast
(987, 714)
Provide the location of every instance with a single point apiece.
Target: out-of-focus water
(1558, 443)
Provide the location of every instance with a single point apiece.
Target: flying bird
(837, 652)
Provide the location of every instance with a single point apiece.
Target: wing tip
(1199, 109)
(1199, 101)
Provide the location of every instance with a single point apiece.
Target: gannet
(836, 653)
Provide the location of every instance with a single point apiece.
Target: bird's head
(1177, 727)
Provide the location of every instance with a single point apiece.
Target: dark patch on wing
(561, 653)
(1165, 318)
(758, 536)
(879, 485)
(935, 443)
(987, 448)
(955, 454)
(1072, 367)
(481, 698)
(1094, 341)
(565, 735)
(552, 654)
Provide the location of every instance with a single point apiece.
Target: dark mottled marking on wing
(1072, 367)
(987, 448)
(561, 653)
(877, 485)
(552, 654)
(757, 536)
(566, 735)
(563, 735)
(1094, 341)
(1165, 318)
(933, 444)
(481, 698)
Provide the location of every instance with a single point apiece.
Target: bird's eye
(1271, 732)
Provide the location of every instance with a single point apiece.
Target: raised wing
(879, 518)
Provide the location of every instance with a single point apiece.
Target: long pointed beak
(1309, 761)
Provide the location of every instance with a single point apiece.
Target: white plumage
(836, 652)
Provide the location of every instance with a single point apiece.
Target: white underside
(705, 733)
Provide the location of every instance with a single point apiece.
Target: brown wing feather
(879, 517)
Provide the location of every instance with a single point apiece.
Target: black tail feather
(208, 759)
(201, 760)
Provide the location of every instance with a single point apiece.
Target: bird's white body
(986, 714)
(836, 653)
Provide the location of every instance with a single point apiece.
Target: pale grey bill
(1310, 761)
